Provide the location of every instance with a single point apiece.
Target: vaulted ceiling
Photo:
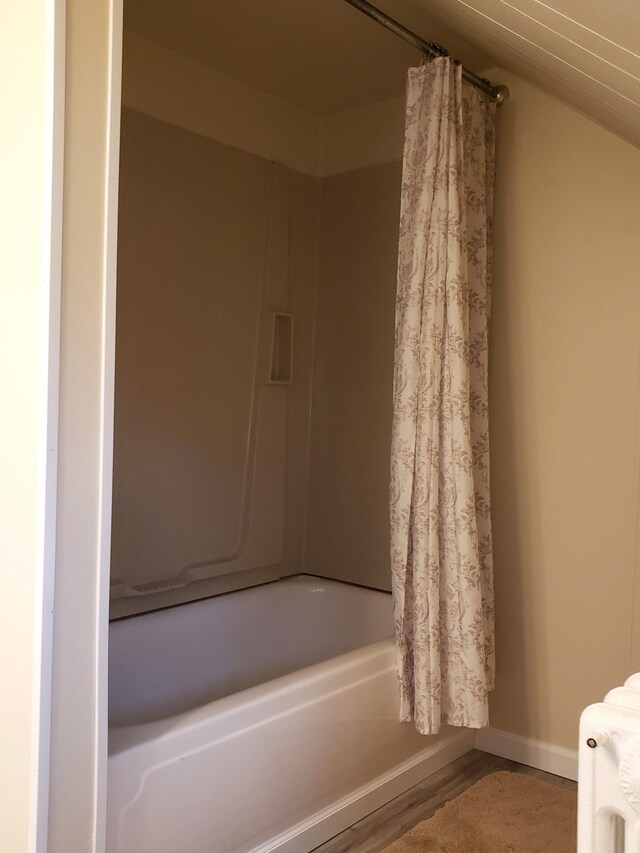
(324, 56)
(586, 52)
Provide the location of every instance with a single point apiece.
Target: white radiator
(609, 773)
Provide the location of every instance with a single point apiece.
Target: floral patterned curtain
(440, 509)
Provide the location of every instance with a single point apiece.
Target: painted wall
(564, 412)
(565, 373)
(347, 521)
(24, 284)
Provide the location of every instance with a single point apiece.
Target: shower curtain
(441, 552)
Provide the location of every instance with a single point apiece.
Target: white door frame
(77, 827)
(112, 175)
(54, 65)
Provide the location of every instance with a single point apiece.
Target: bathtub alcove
(252, 687)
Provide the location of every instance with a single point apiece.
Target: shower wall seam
(314, 318)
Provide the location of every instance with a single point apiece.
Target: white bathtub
(259, 720)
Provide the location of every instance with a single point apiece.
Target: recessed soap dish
(281, 372)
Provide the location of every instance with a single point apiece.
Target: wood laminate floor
(379, 829)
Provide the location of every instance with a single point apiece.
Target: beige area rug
(502, 813)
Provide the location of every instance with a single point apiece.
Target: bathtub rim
(120, 617)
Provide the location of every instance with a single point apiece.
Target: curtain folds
(441, 552)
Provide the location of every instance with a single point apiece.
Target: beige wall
(347, 521)
(357, 267)
(565, 370)
(369, 136)
(356, 286)
(164, 265)
(210, 458)
(564, 412)
(170, 87)
(195, 217)
(23, 368)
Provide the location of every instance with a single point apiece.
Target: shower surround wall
(219, 475)
(210, 455)
(348, 519)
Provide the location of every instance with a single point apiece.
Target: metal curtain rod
(498, 93)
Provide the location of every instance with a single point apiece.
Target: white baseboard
(534, 753)
(328, 822)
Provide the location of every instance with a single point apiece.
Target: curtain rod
(498, 93)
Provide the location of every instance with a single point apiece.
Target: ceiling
(586, 52)
(321, 55)
(324, 56)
